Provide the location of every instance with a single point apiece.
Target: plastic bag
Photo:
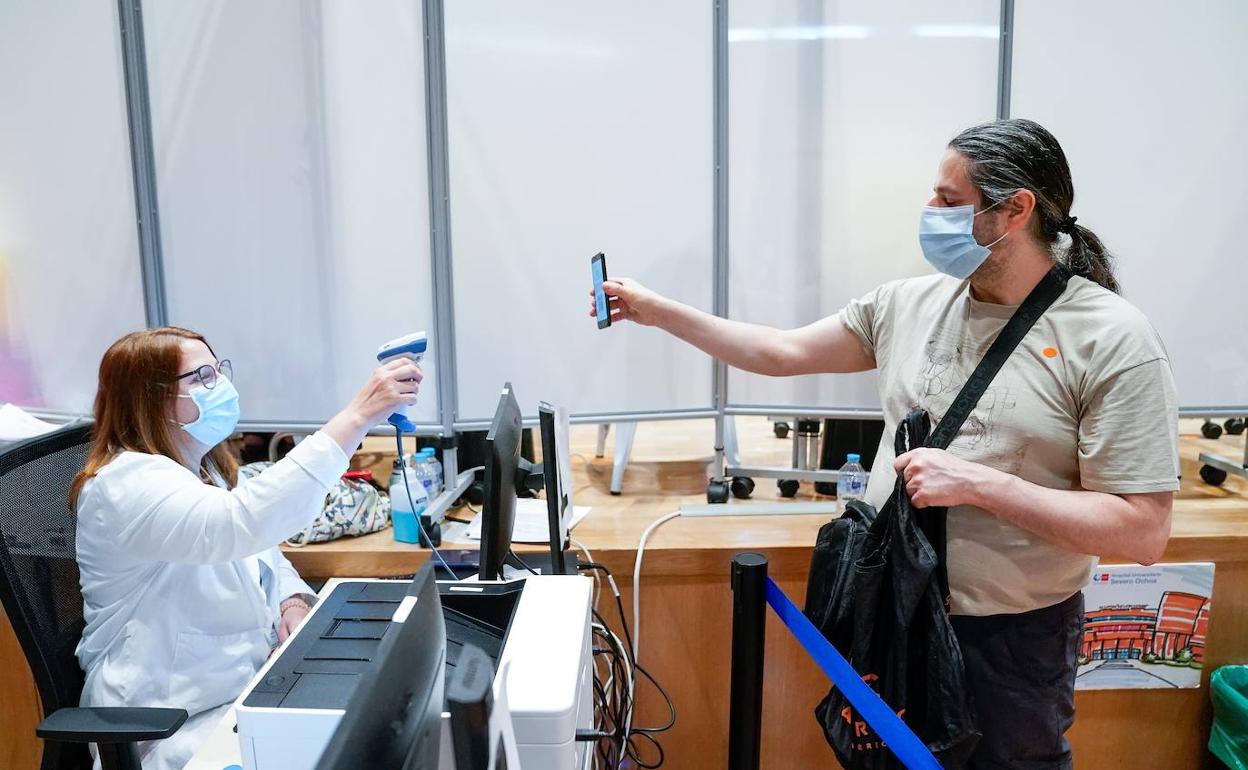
(1228, 739)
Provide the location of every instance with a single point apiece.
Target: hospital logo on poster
(1145, 627)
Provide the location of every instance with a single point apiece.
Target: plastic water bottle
(851, 482)
(424, 472)
(439, 481)
(405, 511)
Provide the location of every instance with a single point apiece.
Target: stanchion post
(749, 615)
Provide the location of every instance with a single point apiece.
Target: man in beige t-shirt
(1086, 401)
(1070, 455)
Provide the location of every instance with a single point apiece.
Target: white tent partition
(330, 175)
(70, 281)
(584, 127)
(1153, 123)
(839, 113)
(291, 168)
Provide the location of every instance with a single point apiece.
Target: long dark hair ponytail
(1017, 154)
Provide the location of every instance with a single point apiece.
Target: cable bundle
(615, 691)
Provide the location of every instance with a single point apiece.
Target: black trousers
(1021, 670)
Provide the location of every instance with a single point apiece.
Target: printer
(536, 630)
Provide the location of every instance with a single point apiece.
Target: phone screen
(598, 266)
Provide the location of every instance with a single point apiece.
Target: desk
(687, 605)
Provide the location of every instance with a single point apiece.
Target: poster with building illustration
(1145, 627)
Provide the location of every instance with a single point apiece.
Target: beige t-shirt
(1086, 401)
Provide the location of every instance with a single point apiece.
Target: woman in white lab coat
(185, 592)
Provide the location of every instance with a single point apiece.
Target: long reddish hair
(134, 404)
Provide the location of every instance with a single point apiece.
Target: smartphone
(598, 266)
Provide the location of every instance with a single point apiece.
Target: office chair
(41, 596)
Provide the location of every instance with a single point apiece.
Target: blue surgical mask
(947, 241)
(218, 412)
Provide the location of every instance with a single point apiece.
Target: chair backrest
(39, 568)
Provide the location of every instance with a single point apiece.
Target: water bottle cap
(853, 458)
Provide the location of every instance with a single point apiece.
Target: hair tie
(1068, 224)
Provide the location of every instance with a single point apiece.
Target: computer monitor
(556, 474)
(498, 512)
(482, 735)
(394, 718)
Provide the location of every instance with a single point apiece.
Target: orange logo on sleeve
(1050, 352)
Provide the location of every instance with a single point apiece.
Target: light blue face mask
(947, 241)
(218, 412)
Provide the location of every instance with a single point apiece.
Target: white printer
(537, 629)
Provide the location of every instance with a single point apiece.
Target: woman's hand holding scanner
(411, 347)
(629, 301)
(392, 385)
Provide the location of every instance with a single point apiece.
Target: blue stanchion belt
(907, 746)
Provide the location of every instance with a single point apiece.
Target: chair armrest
(112, 724)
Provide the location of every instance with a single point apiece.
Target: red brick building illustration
(1132, 631)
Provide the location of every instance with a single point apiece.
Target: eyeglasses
(206, 375)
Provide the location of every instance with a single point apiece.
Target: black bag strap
(1038, 301)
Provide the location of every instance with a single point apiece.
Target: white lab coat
(181, 581)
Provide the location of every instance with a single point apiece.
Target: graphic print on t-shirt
(943, 377)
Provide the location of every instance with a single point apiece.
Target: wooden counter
(686, 604)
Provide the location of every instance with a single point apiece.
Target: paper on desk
(16, 424)
(532, 526)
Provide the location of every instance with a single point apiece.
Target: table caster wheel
(788, 487)
(1211, 429)
(781, 429)
(717, 491)
(742, 487)
(1212, 475)
(1234, 426)
(433, 532)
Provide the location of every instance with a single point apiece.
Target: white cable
(641, 550)
(630, 680)
(589, 558)
(620, 652)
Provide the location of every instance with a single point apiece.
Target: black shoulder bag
(878, 589)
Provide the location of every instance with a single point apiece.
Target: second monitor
(506, 472)
(502, 457)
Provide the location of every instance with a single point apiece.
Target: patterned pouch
(352, 508)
